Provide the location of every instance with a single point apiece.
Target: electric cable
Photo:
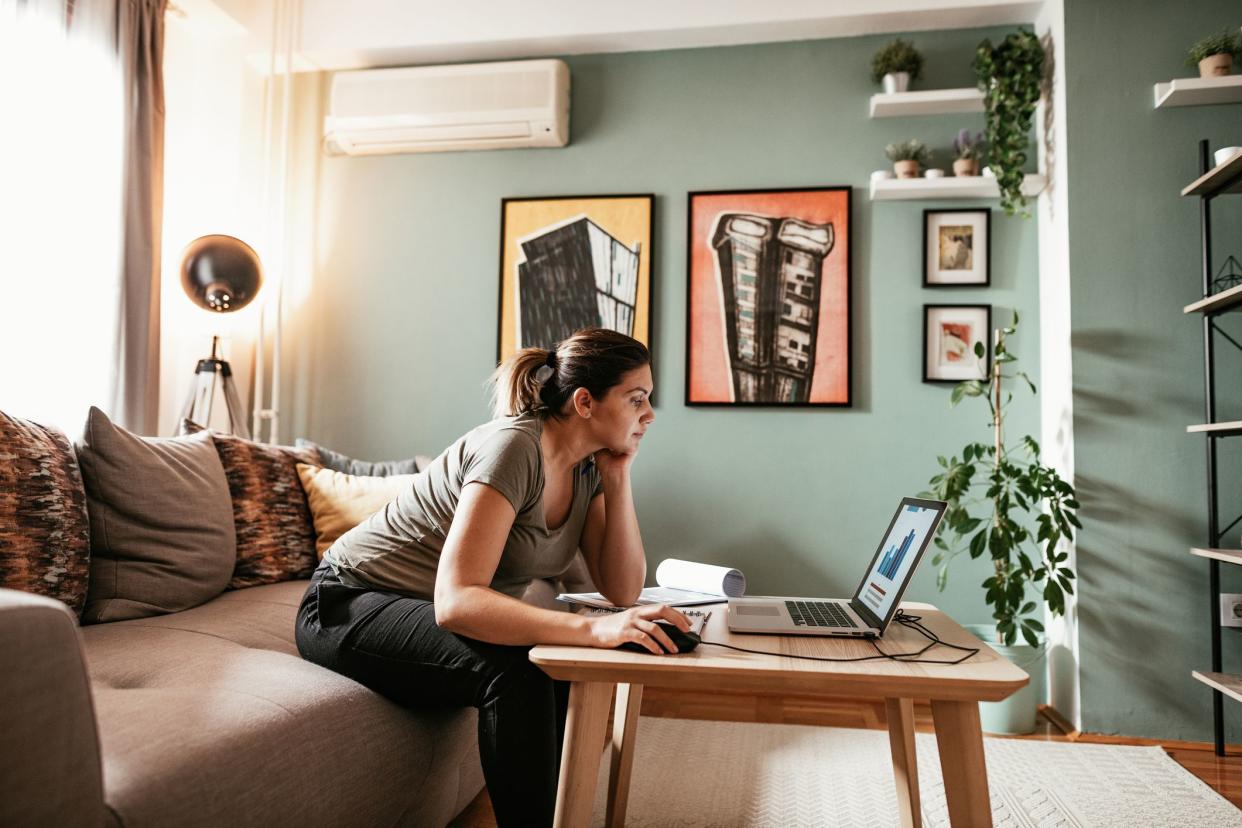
(903, 618)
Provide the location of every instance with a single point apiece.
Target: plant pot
(906, 169)
(964, 167)
(900, 82)
(1015, 714)
(1212, 66)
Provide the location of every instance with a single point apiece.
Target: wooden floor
(1223, 774)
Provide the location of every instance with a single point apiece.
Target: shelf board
(1233, 556)
(1199, 91)
(1223, 178)
(1224, 682)
(929, 102)
(974, 186)
(1216, 429)
(1217, 302)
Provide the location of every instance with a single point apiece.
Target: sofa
(207, 716)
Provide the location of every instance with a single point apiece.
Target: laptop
(874, 604)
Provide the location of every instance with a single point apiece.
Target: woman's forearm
(484, 614)
(622, 561)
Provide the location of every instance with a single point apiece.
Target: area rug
(696, 773)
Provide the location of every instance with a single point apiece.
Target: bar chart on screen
(893, 557)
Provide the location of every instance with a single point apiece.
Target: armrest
(50, 769)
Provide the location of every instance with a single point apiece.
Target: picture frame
(768, 297)
(957, 247)
(949, 336)
(550, 250)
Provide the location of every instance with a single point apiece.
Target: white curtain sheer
(76, 325)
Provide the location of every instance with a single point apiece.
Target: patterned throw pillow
(44, 530)
(275, 535)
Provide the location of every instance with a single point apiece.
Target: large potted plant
(896, 65)
(1005, 503)
(1214, 55)
(1011, 77)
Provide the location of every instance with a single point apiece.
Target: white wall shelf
(1229, 685)
(929, 102)
(1217, 302)
(975, 186)
(1198, 91)
(1233, 556)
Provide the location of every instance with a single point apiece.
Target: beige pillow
(339, 502)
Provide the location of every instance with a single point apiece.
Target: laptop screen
(908, 535)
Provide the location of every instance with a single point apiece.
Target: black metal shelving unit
(1215, 181)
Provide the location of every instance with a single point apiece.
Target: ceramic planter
(906, 169)
(1015, 714)
(964, 167)
(897, 82)
(1212, 66)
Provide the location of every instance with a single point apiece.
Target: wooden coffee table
(954, 691)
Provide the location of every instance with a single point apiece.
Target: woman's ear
(583, 402)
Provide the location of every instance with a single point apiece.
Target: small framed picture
(957, 248)
(950, 336)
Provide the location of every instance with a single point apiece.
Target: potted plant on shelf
(1003, 501)
(968, 149)
(1011, 77)
(907, 157)
(1214, 54)
(896, 65)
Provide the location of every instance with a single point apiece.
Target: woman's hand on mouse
(638, 625)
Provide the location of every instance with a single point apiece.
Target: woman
(421, 601)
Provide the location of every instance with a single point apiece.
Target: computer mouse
(684, 641)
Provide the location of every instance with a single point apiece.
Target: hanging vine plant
(1011, 77)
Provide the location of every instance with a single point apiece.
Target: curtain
(140, 47)
(80, 199)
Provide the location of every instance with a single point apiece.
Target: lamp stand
(209, 374)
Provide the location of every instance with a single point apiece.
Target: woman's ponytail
(541, 381)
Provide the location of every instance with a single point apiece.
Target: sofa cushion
(275, 535)
(367, 468)
(209, 717)
(339, 502)
(44, 530)
(161, 521)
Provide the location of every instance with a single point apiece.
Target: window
(61, 207)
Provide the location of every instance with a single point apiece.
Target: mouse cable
(911, 621)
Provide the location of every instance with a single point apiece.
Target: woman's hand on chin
(610, 462)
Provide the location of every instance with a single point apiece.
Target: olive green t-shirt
(398, 548)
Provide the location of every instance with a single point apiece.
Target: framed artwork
(957, 248)
(571, 262)
(768, 297)
(950, 334)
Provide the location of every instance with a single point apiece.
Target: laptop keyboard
(818, 614)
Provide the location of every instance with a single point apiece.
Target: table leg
(624, 734)
(905, 760)
(585, 723)
(960, 741)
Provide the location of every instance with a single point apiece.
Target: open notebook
(679, 584)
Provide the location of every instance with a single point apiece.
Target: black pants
(391, 644)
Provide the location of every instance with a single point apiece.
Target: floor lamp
(221, 274)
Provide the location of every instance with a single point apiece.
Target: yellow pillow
(339, 502)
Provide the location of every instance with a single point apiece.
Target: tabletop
(985, 676)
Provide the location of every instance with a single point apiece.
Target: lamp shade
(220, 273)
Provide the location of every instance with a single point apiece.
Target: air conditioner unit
(475, 106)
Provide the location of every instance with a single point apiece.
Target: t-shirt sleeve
(595, 480)
(508, 461)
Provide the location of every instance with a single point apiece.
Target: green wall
(1138, 365)
(399, 332)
